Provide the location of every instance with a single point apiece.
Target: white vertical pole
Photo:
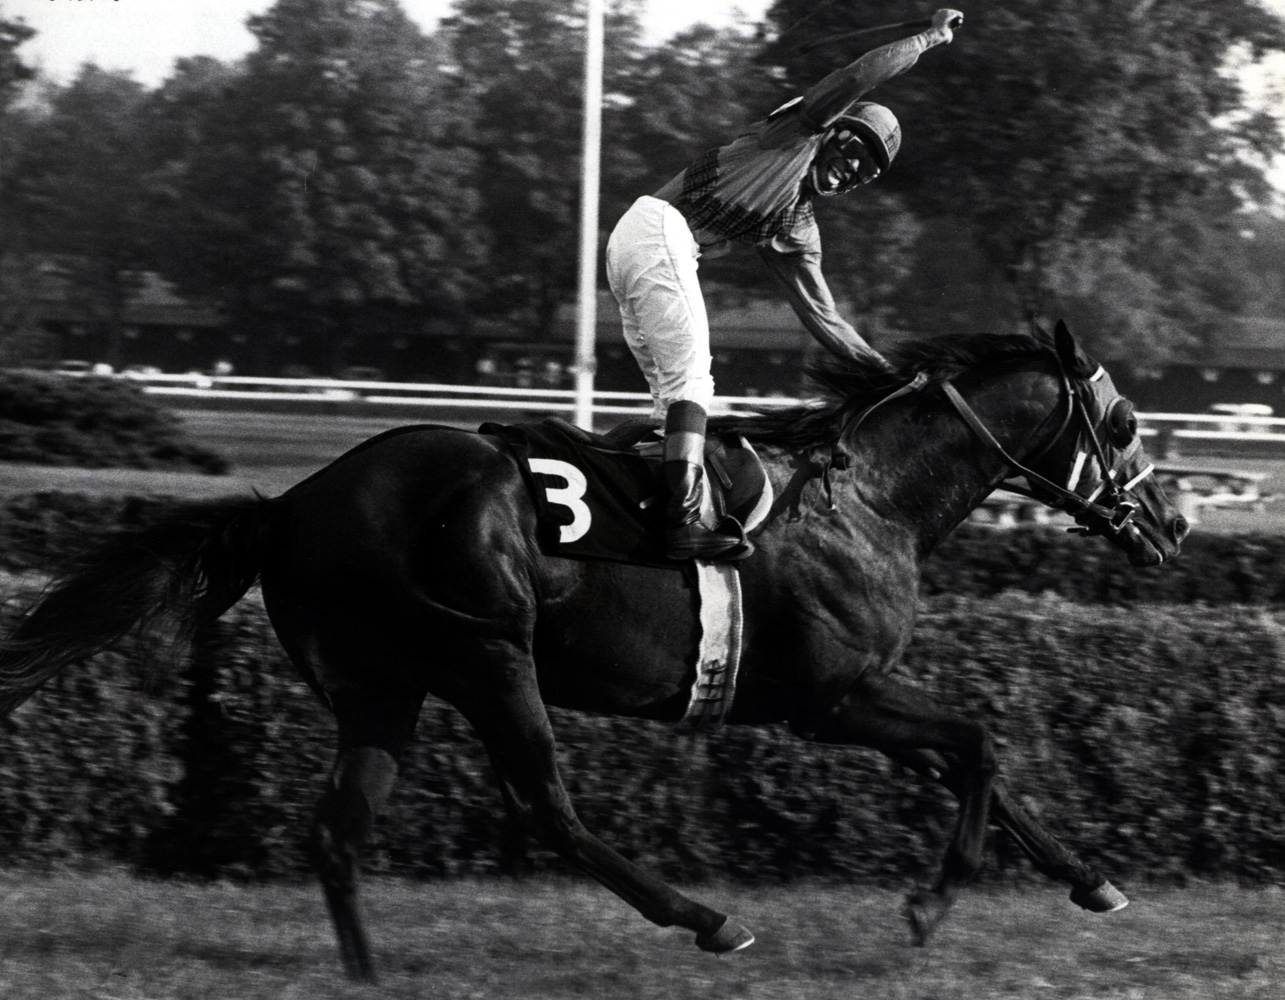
(587, 303)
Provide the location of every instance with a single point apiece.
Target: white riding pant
(651, 268)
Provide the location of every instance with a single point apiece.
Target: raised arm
(825, 101)
(799, 274)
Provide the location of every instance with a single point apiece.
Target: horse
(412, 566)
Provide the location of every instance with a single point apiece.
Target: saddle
(601, 495)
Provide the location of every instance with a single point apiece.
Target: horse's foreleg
(516, 731)
(896, 719)
(359, 786)
(1089, 889)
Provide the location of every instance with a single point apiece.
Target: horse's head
(1066, 430)
(1094, 466)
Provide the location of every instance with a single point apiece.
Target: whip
(922, 22)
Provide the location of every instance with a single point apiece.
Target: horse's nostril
(1180, 528)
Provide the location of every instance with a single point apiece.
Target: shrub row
(983, 561)
(48, 529)
(1151, 739)
(94, 423)
(41, 530)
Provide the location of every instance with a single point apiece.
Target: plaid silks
(782, 208)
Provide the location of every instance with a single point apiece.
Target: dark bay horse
(410, 566)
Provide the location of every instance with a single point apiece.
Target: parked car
(361, 373)
(1241, 410)
(73, 367)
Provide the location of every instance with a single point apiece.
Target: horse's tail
(185, 567)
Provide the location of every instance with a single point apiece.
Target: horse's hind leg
(1089, 889)
(359, 785)
(895, 718)
(515, 729)
(371, 738)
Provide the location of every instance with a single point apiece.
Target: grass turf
(112, 936)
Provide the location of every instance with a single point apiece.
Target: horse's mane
(845, 390)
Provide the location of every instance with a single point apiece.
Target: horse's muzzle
(1148, 544)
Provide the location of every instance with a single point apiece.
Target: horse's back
(421, 466)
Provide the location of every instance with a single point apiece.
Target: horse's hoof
(920, 927)
(361, 974)
(1106, 898)
(731, 936)
(923, 912)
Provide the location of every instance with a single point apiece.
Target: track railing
(1196, 486)
(395, 395)
(199, 389)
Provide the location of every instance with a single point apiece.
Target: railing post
(587, 306)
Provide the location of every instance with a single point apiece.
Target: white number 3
(568, 496)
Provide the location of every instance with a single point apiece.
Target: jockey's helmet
(876, 126)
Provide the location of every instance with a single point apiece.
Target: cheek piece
(1121, 432)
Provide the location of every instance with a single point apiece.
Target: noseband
(1094, 518)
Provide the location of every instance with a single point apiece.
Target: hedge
(983, 561)
(1149, 738)
(94, 423)
(39, 530)
(47, 529)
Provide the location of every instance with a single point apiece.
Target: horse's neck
(924, 492)
(928, 473)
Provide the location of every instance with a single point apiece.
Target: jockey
(758, 190)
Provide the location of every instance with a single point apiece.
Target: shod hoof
(923, 911)
(920, 928)
(731, 936)
(1106, 898)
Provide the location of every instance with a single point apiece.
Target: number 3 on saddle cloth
(599, 499)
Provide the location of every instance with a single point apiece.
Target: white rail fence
(1196, 486)
(394, 395)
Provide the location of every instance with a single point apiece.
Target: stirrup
(695, 541)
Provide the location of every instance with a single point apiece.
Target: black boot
(684, 475)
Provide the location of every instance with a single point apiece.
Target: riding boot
(683, 470)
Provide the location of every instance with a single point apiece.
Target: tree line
(1096, 160)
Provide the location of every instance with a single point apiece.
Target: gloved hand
(946, 21)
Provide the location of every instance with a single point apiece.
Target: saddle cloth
(596, 498)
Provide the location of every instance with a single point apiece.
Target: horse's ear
(1068, 351)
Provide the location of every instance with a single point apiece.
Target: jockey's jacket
(754, 190)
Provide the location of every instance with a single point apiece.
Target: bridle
(1109, 508)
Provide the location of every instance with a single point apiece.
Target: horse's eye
(1122, 423)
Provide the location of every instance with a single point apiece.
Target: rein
(839, 459)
